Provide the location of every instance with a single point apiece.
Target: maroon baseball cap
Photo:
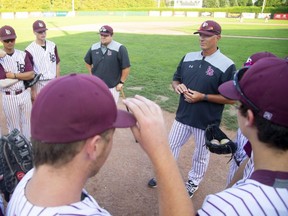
(210, 28)
(250, 61)
(265, 85)
(75, 107)
(106, 30)
(256, 56)
(7, 32)
(39, 26)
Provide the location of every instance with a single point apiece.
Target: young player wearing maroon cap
(72, 140)
(109, 61)
(44, 56)
(196, 80)
(2, 54)
(240, 157)
(263, 119)
(16, 99)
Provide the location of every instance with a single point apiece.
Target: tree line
(82, 5)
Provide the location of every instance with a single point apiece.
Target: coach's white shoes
(191, 188)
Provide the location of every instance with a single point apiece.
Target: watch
(121, 82)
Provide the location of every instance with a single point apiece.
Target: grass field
(155, 57)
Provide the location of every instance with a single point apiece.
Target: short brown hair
(58, 154)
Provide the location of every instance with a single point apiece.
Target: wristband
(121, 82)
(15, 76)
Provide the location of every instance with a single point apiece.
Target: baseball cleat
(152, 183)
(191, 188)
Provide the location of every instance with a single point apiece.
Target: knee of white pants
(115, 94)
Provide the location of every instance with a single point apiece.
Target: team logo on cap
(8, 32)
(40, 24)
(249, 62)
(205, 24)
(267, 115)
(103, 29)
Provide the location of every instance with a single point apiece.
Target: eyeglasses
(205, 35)
(237, 77)
(9, 40)
(41, 32)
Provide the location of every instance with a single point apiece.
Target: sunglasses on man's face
(237, 77)
(41, 32)
(9, 40)
(102, 35)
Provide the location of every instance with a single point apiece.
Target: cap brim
(104, 33)
(41, 29)
(205, 33)
(124, 119)
(229, 90)
(8, 37)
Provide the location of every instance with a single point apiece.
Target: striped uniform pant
(2, 206)
(39, 85)
(17, 110)
(178, 136)
(249, 168)
(239, 156)
(115, 94)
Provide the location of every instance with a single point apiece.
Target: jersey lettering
(20, 67)
(52, 57)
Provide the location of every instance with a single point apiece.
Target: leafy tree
(233, 3)
(224, 3)
(94, 5)
(242, 2)
(211, 3)
(249, 3)
(269, 3)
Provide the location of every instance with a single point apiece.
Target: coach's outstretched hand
(151, 133)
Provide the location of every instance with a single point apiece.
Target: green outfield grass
(154, 58)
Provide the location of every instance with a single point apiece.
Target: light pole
(263, 6)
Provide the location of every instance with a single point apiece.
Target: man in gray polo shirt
(109, 60)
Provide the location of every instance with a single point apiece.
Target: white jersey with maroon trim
(15, 98)
(15, 64)
(265, 193)
(19, 205)
(44, 60)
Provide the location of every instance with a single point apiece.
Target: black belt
(15, 92)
